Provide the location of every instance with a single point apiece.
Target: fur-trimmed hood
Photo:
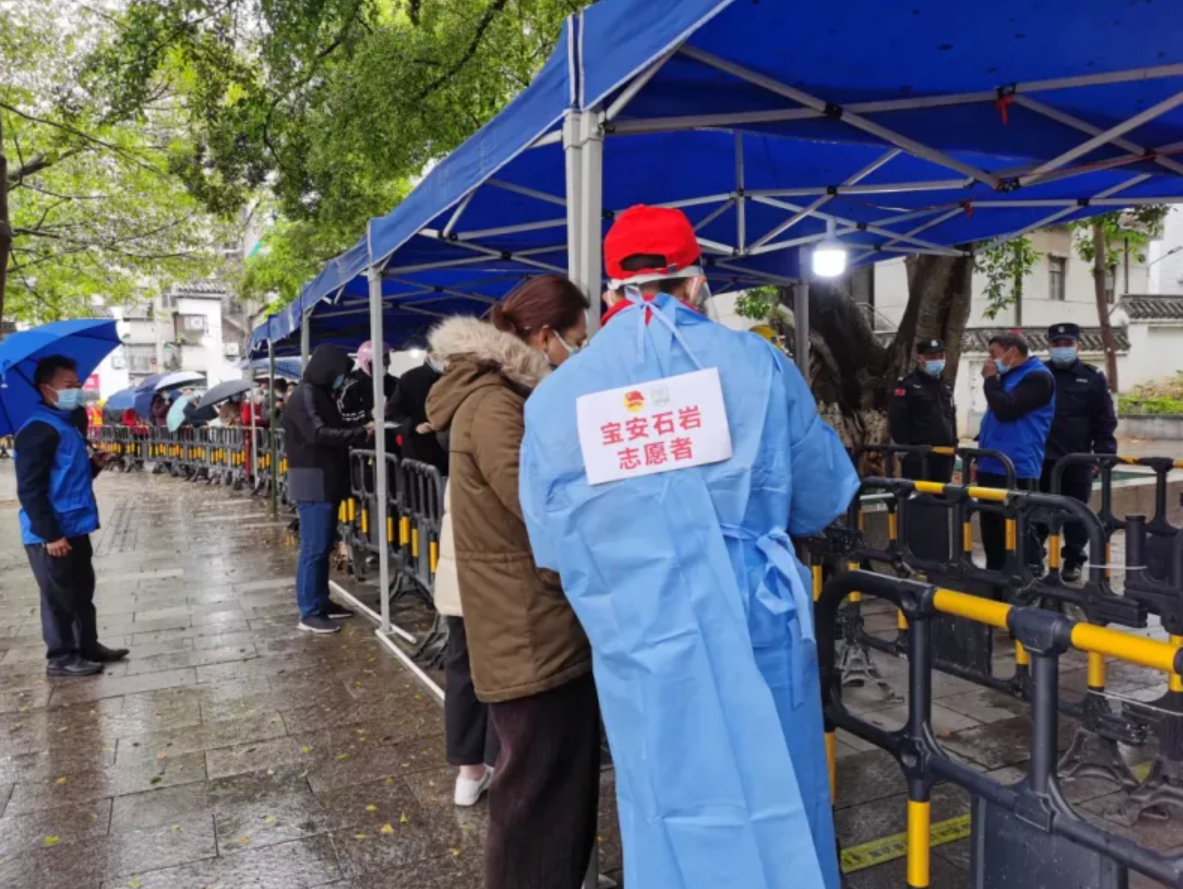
(475, 354)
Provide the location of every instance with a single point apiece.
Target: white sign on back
(660, 426)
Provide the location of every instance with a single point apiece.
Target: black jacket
(356, 398)
(318, 440)
(410, 402)
(1084, 421)
(922, 411)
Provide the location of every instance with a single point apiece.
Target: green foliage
(1129, 230)
(1143, 405)
(95, 210)
(758, 304)
(332, 107)
(1005, 267)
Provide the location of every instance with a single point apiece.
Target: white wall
(1156, 353)
(1166, 274)
(206, 356)
(1079, 305)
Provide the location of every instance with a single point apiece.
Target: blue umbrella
(179, 378)
(86, 342)
(121, 400)
(176, 413)
(145, 390)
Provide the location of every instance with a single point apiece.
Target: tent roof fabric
(897, 123)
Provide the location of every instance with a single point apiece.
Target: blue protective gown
(697, 609)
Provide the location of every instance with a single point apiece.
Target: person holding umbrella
(58, 514)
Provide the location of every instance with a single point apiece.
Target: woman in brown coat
(530, 658)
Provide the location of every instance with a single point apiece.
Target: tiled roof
(978, 339)
(1153, 308)
(200, 288)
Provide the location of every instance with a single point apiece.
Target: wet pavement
(231, 751)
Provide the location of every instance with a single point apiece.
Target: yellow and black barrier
(1026, 834)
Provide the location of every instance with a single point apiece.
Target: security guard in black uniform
(1084, 423)
(922, 413)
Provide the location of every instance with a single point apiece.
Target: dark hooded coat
(317, 439)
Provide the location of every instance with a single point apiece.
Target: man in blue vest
(1021, 398)
(55, 476)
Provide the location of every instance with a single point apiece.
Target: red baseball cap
(651, 231)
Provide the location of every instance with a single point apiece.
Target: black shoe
(318, 624)
(73, 666)
(337, 612)
(104, 655)
(1071, 573)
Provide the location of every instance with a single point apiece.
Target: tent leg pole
(274, 460)
(305, 340)
(801, 313)
(374, 274)
(591, 228)
(573, 156)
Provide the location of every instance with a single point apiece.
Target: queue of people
(1038, 411)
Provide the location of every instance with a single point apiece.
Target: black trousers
(1077, 483)
(545, 795)
(468, 728)
(68, 622)
(994, 526)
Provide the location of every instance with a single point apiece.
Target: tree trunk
(852, 372)
(1099, 266)
(5, 227)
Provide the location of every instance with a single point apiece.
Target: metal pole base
(1093, 756)
(855, 665)
(1154, 797)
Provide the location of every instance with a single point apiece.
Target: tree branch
(486, 21)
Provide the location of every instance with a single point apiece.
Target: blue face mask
(1002, 366)
(1063, 356)
(68, 399)
(339, 382)
(934, 368)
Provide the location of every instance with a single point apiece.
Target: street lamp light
(829, 256)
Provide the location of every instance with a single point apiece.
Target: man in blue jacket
(55, 477)
(1021, 398)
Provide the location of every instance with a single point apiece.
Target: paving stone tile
(95, 688)
(181, 659)
(209, 735)
(264, 666)
(1001, 743)
(411, 839)
(28, 833)
(866, 777)
(272, 819)
(116, 780)
(301, 864)
(14, 701)
(53, 763)
(944, 720)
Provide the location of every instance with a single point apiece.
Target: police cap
(929, 347)
(1066, 330)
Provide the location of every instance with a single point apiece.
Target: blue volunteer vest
(70, 489)
(1024, 439)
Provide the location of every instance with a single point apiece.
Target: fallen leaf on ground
(270, 819)
(360, 836)
(156, 779)
(341, 757)
(60, 781)
(244, 841)
(371, 808)
(403, 819)
(52, 841)
(387, 830)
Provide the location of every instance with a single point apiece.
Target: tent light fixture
(829, 256)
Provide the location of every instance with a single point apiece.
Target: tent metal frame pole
(510, 229)
(1084, 126)
(374, 276)
(801, 313)
(459, 211)
(491, 253)
(305, 339)
(1103, 138)
(638, 84)
(583, 142)
(741, 221)
(529, 192)
(851, 118)
(713, 215)
(274, 450)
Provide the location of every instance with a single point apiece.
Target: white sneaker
(470, 790)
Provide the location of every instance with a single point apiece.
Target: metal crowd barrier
(1024, 835)
(966, 650)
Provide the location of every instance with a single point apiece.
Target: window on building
(1058, 267)
(1110, 284)
(191, 323)
(141, 359)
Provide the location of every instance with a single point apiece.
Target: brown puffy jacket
(523, 636)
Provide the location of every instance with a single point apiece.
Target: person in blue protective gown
(688, 587)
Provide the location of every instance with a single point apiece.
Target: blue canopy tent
(917, 128)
